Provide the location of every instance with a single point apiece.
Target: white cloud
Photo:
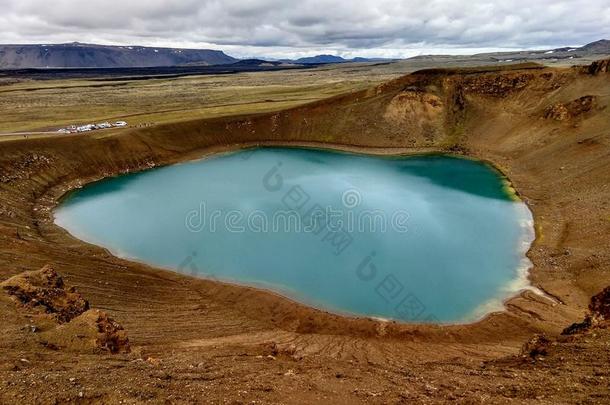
(290, 28)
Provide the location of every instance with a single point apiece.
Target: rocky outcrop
(600, 305)
(579, 327)
(597, 67)
(94, 331)
(573, 109)
(24, 167)
(497, 85)
(598, 316)
(416, 112)
(43, 291)
(536, 346)
(75, 326)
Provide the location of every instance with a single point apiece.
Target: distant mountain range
(592, 50)
(598, 47)
(310, 60)
(319, 59)
(601, 47)
(77, 55)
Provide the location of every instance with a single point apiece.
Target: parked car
(85, 128)
(120, 124)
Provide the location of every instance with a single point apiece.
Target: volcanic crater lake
(417, 239)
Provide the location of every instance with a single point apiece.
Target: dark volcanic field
(144, 73)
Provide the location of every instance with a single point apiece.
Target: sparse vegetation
(49, 105)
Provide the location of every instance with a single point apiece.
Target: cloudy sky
(281, 28)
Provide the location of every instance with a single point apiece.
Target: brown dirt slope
(197, 340)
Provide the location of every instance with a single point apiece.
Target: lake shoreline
(513, 288)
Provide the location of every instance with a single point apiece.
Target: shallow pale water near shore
(417, 239)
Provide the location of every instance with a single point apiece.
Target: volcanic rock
(536, 346)
(43, 291)
(94, 330)
(600, 304)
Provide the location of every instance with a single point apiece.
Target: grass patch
(51, 104)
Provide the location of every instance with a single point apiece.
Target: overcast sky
(281, 28)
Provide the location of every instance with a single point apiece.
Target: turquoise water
(416, 239)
